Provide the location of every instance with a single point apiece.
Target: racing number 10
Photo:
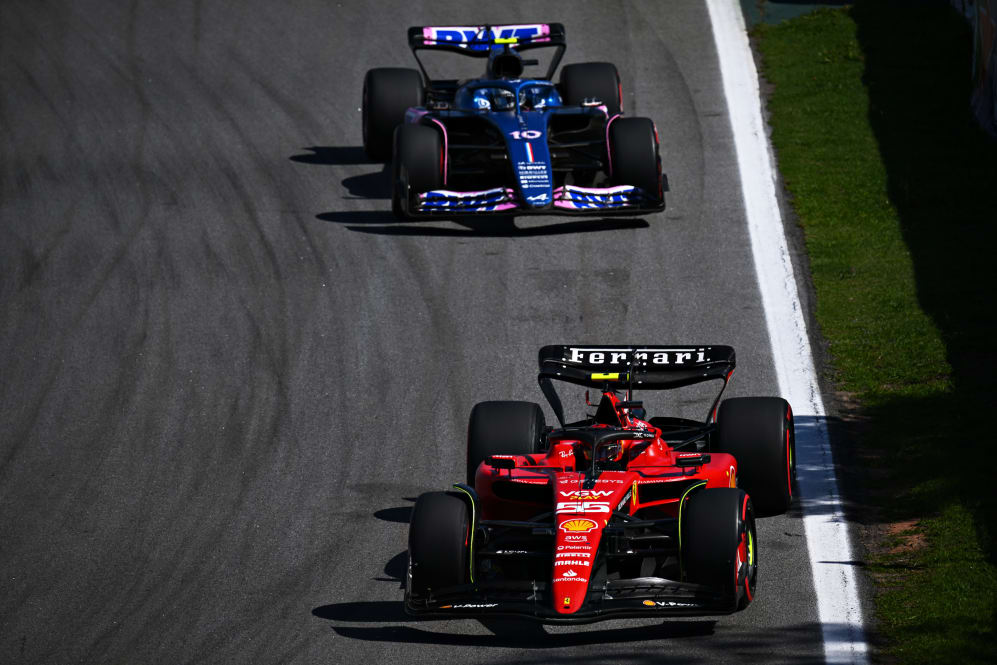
(528, 134)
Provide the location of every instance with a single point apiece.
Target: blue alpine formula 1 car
(507, 142)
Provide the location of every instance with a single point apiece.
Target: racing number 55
(583, 507)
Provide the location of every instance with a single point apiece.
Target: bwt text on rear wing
(478, 41)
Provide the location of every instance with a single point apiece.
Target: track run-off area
(227, 370)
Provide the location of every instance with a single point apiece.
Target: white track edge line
(828, 541)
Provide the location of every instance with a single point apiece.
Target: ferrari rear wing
(478, 41)
(632, 367)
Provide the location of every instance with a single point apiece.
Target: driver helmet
(502, 99)
(539, 96)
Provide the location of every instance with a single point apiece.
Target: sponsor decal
(571, 537)
(571, 562)
(672, 478)
(537, 197)
(512, 552)
(626, 497)
(469, 606)
(572, 554)
(569, 573)
(574, 547)
(605, 376)
(566, 453)
(530, 481)
(571, 579)
(666, 603)
(642, 357)
(578, 526)
(586, 494)
(532, 175)
(567, 601)
(475, 38)
(583, 507)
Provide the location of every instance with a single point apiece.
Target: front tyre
(438, 543)
(719, 544)
(634, 157)
(417, 164)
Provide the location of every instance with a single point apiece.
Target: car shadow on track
(497, 226)
(521, 634)
(377, 186)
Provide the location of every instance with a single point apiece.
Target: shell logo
(578, 526)
(648, 603)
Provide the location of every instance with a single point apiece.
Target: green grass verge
(896, 190)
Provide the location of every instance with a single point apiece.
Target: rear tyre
(417, 165)
(720, 544)
(633, 154)
(588, 80)
(438, 539)
(759, 433)
(387, 93)
(503, 428)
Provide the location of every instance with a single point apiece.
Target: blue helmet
(493, 99)
(538, 96)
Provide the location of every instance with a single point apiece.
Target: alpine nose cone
(531, 159)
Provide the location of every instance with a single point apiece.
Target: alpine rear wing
(632, 367)
(478, 41)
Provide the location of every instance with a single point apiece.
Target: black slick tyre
(719, 544)
(759, 433)
(438, 543)
(592, 80)
(417, 164)
(633, 155)
(503, 428)
(387, 93)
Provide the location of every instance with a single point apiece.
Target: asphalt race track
(226, 371)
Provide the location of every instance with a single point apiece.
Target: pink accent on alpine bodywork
(457, 203)
(429, 31)
(482, 192)
(445, 150)
(609, 152)
(562, 195)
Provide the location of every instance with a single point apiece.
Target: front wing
(568, 199)
(640, 597)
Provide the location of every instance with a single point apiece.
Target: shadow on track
(498, 226)
(377, 186)
(512, 633)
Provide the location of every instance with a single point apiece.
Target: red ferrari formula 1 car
(615, 515)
